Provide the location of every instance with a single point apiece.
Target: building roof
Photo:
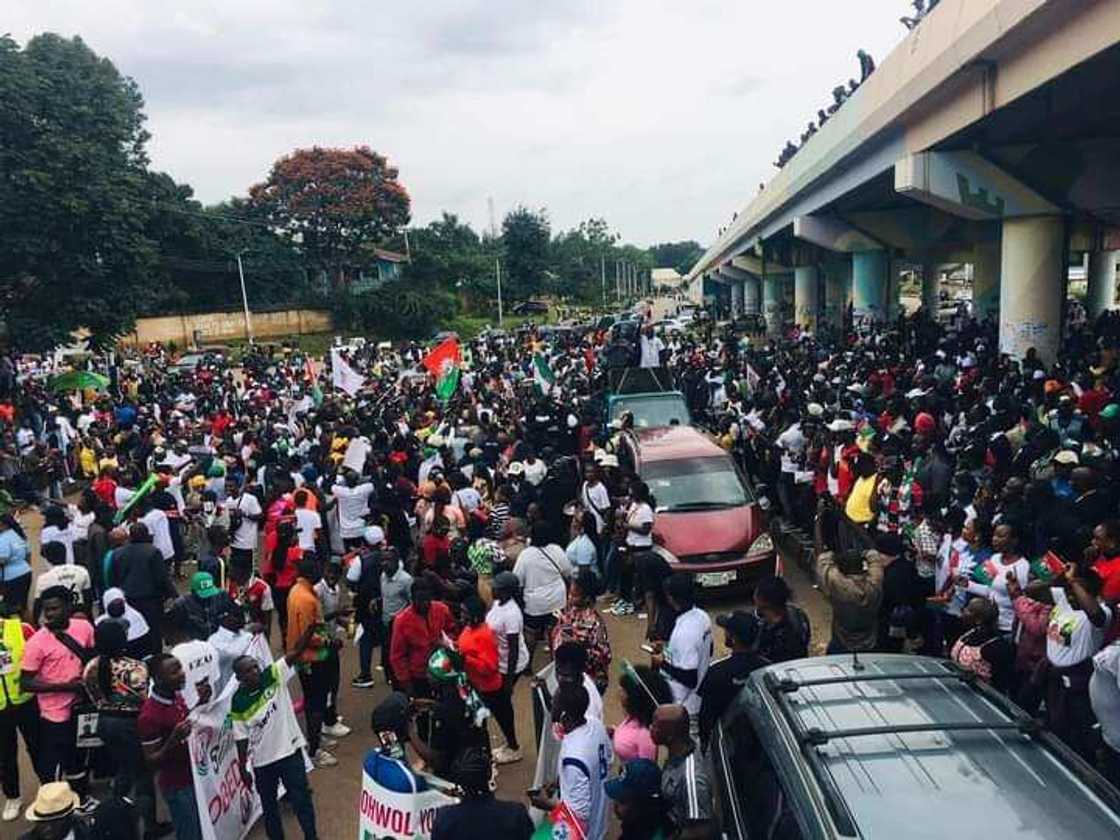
(665, 275)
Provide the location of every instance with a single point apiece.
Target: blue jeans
(366, 644)
(184, 813)
(291, 772)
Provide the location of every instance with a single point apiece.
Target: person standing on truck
(650, 348)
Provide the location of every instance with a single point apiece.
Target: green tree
(679, 255)
(73, 248)
(581, 255)
(526, 236)
(335, 203)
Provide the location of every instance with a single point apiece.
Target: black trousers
(14, 721)
(500, 704)
(58, 752)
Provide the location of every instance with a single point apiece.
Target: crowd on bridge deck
(463, 509)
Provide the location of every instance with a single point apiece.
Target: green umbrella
(79, 380)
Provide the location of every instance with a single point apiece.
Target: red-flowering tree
(334, 203)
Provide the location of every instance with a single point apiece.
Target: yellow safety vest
(11, 657)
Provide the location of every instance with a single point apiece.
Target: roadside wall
(226, 326)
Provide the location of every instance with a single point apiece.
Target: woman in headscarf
(138, 640)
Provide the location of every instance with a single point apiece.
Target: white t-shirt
(584, 761)
(467, 499)
(353, 505)
(1071, 637)
(200, 662)
(639, 513)
(792, 444)
(265, 717)
(542, 573)
(245, 537)
(689, 648)
(650, 352)
(1104, 693)
(66, 536)
(506, 620)
(307, 523)
(595, 498)
(535, 472)
(122, 496)
(160, 529)
(73, 577)
(229, 646)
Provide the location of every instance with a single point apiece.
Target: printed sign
(387, 813)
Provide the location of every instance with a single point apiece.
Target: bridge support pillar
(1102, 282)
(986, 280)
(1032, 270)
(752, 296)
(931, 289)
(772, 304)
(870, 275)
(806, 298)
(736, 298)
(838, 283)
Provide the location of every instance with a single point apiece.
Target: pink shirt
(632, 740)
(55, 663)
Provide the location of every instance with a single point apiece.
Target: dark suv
(893, 746)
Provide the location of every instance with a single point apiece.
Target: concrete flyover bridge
(990, 136)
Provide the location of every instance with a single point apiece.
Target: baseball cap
(743, 626)
(1110, 411)
(202, 585)
(516, 468)
(639, 779)
(373, 535)
(1067, 456)
(924, 423)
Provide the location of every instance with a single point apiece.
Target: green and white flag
(543, 377)
(446, 384)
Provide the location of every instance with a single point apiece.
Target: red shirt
(158, 717)
(285, 577)
(414, 638)
(479, 647)
(1109, 570)
(431, 547)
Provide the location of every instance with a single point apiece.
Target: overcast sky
(661, 117)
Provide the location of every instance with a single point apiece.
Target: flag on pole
(446, 385)
(442, 358)
(443, 363)
(543, 377)
(344, 377)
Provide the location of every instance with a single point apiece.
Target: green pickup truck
(649, 395)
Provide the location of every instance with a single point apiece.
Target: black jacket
(139, 569)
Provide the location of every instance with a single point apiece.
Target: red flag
(443, 357)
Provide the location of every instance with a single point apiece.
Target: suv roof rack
(789, 685)
(819, 737)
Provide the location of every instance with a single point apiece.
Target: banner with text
(395, 802)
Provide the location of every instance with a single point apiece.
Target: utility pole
(603, 277)
(498, 274)
(244, 299)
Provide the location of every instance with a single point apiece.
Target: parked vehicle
(649, 395)
(530, 307)
(887, 745)
(709, 521)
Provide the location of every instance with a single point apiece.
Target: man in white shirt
(230, 640)
(650, 347)
(246, 507)
(685, 659)
(583, 763)
(535, 469)
(542, 568)
(308, 522)
(353, 505)
(595, 498)
(160, 529)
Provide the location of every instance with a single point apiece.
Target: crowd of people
(964, 505)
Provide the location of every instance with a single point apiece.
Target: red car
(709, 521)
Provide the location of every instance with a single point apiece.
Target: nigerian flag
(543, 377)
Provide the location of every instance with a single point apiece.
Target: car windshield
(695, 484)
(653, 411)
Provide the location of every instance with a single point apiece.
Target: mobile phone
(648, 648)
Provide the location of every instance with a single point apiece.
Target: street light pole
(603, 277)
(498, 272)
(244, 299)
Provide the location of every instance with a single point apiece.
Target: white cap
(839, 425)
(1067, 456)
(373, 535)
(815, 409)
(516, 468)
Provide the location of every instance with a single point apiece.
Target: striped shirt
(686, 789)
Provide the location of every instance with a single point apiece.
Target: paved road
(337, 789)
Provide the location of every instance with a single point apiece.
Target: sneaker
(88, 805)
(362, 681)
(324, 759)
(504, 755)
(327, 743)
(337, 730)
(11, 809)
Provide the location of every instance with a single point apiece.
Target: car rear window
(653, 411)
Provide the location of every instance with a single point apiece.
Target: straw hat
(54, 801)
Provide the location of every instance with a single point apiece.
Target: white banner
(386, 813)
(226, 808)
